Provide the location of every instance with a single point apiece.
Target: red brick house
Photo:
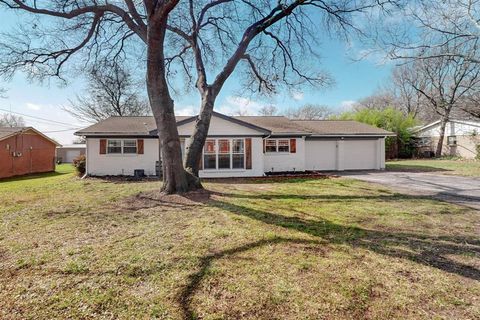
(24, 150)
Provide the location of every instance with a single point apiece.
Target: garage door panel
(320, 155)
(360, 154)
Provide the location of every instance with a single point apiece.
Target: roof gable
(7, 132)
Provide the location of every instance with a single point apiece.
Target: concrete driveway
(460, 190)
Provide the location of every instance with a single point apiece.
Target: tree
(111, 92)
(224, 35)
(101, 31)
(444, 82)
(110, 31)
(11, 120)
(269, 110)
(432, 29)
(309, 112)
(389, 119)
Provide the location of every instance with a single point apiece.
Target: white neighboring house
(462, 138)
(239, 146)
(67, 153)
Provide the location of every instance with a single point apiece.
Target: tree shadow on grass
(419, 248)
(194, 280)
(423, 249)
(399, 167)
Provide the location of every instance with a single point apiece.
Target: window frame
(277, 146)
(107, 151)
(122, 146)
(230, 154)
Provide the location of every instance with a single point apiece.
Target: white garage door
(320, 155)
(70, 155)
(360, 154)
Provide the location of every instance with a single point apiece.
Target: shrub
(80, 163)
(478, 152)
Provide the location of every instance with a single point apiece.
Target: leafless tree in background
(218, 34)
(407, 88)
(271, 43)
(269, 110)
(448, 28)
(58, 34)
(11, 120)
(309, 112)
(111, 91)
(380, 100)
(444, 82)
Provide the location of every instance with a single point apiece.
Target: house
(24, 150)
(238, 146)
(462, 138)
(66, 153)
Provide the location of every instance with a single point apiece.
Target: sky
(41, 105)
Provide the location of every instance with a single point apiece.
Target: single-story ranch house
(462, 138)
(238, 146)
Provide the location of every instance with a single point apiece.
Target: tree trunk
(197, 140)
(175, 178)
(443, 125)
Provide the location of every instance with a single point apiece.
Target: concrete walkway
(460, 190)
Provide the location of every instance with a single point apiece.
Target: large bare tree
(272, 43)
(83, 33)
(89, 31)
(445, 82)
(11, 120)
(111, 91)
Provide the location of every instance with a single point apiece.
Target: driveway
(460, 190)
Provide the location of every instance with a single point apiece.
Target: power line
(34, 117)
(71, 129)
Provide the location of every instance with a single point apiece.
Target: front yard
(296, 249)
(468, 168)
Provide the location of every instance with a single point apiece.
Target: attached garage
(345, 153)
(321, 154)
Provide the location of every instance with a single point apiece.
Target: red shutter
(103, 146)
(140, 146)
(248, 153)
(293, 145)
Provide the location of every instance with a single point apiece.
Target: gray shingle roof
(123, 126)
(340, 127)
(274, 124)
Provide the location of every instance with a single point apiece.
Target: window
(452, 140)
(223, 154)
(280, 145)
(129, 146)
(238, 154)
(122, 146)
(270, 145)
(114, 146)
(283, 145)
(209, 155)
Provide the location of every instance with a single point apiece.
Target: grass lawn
(469, 168)
(296, 249)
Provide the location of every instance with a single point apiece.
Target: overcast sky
(353, 80)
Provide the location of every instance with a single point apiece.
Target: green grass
(469, 168)
(298, 249)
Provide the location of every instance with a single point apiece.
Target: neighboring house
(24, 150)
(462, 138)
(240, 146)
(67, 153)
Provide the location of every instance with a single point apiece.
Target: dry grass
(460, 167)
(295, 249)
